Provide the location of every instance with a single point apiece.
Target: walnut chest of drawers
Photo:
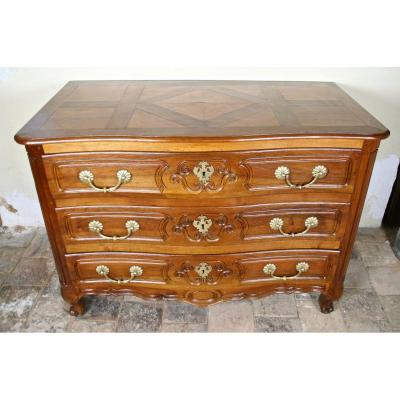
(201, 191)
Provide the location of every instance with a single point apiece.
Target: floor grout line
(25, 323)
(117, 320)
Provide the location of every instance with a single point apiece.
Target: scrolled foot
(77, 308)
(325, 304)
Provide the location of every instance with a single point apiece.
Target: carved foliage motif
(206, 176)
(203, 227)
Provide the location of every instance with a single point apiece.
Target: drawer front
(202, 230)
(202, 175)
(203, 278)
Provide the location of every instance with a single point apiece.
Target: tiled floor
(30, 300)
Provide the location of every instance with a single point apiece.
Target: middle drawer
(203, 230)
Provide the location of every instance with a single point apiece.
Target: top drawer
(206, 175)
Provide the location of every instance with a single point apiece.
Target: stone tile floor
(30, 299)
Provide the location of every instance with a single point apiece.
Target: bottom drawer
(202, 278)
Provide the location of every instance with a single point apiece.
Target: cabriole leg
(325, 304)
(78, 308)
(73, 297)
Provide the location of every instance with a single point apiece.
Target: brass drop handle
(135, 271)
(277, 225)
(283, 173)
(97, 227)
(87, 176)
(270, 269)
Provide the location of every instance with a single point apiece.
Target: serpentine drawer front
(209, 175)
(201, 191)
(191, 230)
(215, 275)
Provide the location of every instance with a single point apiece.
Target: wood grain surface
(126, 109)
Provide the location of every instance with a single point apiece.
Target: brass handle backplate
(203, 172)
(123, 176)
(277, 225)
(97, 227)
(269, 269)
(203, 273)
(135, 271)
(203, 270)
(318, 172)
(202, 224)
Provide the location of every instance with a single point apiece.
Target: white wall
(24, 90)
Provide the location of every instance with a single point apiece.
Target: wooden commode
(201, 191)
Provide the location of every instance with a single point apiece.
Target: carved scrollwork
(203, 227)
(204, 173)
(203, 273)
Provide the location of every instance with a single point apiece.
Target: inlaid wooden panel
(231, 174)
(202, 230)
(198, 108)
